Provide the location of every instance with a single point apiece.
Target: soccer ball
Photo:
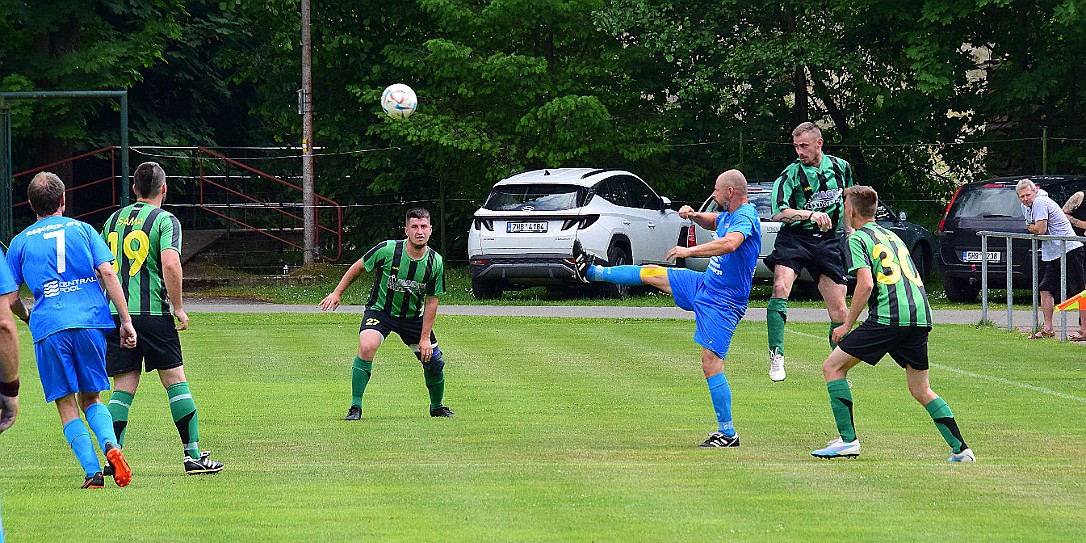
(399, 101)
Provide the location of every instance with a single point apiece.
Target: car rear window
(540, 197)
(988, 202)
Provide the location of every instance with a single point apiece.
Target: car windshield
(989, 202)
(537, 196)
(763, 202)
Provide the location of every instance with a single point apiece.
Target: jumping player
(146, 240)
(718, 297)
(898, 322)
(807, 199)
(410, 276)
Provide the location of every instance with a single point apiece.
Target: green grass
(568, 430)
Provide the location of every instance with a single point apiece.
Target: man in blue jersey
(718, 297)
(66, 264)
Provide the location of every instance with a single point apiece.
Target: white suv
(523, 235)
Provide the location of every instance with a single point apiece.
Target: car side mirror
(902, 216)
(665, 203)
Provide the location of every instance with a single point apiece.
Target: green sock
(944, 421)
(775, 317)
(435, 385)
(183, 410)
(832, 326)
(360, 377)
(120, 402)
(841, 404)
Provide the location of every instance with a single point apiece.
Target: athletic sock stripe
(119, 402)
(181, 397)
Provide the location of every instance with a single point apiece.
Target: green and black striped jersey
(814, 189)
(137, 234)
(899, 298)
(401, 283)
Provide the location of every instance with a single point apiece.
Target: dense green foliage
(567, 430)
(918, 95)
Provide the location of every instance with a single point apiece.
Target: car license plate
(524, 227)
(974, 256)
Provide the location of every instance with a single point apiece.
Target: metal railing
(247, 202)
(1034, 239)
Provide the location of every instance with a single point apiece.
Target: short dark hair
(416, 213)
(148, 179)
(863, 199)
(807, 127)
(45, 193)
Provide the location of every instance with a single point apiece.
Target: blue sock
(81, 445)
(722, 402)
(621, 275)
(101, 423)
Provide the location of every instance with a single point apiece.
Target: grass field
(458, 291)
(568, 430)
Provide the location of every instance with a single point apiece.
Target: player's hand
(426, 349)
(686, 212)
(678, 252)
(9, 408)
(330, 302)
(182, 319)
(822, 220)
(128, 336)
(840, 332)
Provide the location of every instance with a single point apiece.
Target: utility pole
(305, 106)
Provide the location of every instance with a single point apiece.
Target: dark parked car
(919, 240)
(991, 205)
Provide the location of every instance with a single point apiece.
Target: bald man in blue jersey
(718, 296)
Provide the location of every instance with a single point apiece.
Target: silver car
(523, 235)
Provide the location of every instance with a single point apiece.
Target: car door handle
(625, 223)
(652, 225)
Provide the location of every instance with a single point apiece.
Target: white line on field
(1000, 380)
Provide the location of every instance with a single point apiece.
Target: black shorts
(1050, 274)
(818, 252)
(157, 345)
(907, 345)
(409, 330)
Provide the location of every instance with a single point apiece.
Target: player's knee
(435, 364)
(87, 399)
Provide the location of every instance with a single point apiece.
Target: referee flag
(1072, 302)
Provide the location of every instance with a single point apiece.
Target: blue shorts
(71, 361)
(715, 316)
